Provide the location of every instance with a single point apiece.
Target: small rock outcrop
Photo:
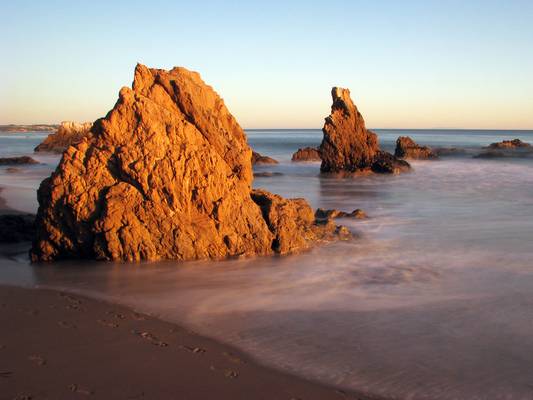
(167, 174)
(258, 159)
(347, 146)
(306, 154)
(386, 163)
(17, 228)
(266, 174)
(509, 144)
(68, 133)
(407, 148)
(507, 149)
(322, 214)
(22, 160)
(449, 151)
(293, 222)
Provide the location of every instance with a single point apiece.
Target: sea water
(432, 300)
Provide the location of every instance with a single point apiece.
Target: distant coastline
(28, 128)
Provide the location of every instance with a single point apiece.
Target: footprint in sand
(196, 350)
(228, 373)
(233, 358)
(66, 325)
(109, 324)
(342, 393)
(77, 389)
(150, 338)
(137, 397)
(138, 317)
(38, 360)
(231, 374)
(70, 298)
(31, 311)
(116, 315)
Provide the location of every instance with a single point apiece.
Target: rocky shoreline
(172, 152)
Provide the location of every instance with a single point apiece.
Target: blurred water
(432, 301)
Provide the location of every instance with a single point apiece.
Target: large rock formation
(166, 174)
(306, 154)
(408, 148)
(347, 144)
(68, 134)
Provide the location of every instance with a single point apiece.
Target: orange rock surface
(407, 148)
(166, 174)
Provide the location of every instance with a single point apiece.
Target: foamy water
(432, 301)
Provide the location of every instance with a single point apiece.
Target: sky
(408, 64)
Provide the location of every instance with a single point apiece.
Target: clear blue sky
(408, 64)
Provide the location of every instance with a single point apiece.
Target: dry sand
(55, 345)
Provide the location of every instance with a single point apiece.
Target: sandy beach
(55, 345)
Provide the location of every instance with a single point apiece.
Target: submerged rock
(68, 133)
(347, 144)
(260, 159)
(449, 151)
(166, 174)
(322, 214)
(306, 154)
(507, 149)
(17, 160)
(266, 174)
(292, 222)
(407, 148)
(17, 228)
(386, 163)
(509, 144)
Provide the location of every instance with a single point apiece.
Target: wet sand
(55, 345)
(4, 208)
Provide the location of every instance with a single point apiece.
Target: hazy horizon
(409, 65)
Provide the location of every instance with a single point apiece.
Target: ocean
(432, 300)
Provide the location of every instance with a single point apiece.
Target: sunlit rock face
(259, 159)
(408, 148)
(347, 146)
(67, 134)
(166, 174)
(306, 154)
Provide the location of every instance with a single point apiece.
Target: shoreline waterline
(431, 301)
(114, 329)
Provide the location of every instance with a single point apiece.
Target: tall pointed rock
(347, 146)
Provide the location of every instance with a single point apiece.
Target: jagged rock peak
(166, 174)
(347, 146)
